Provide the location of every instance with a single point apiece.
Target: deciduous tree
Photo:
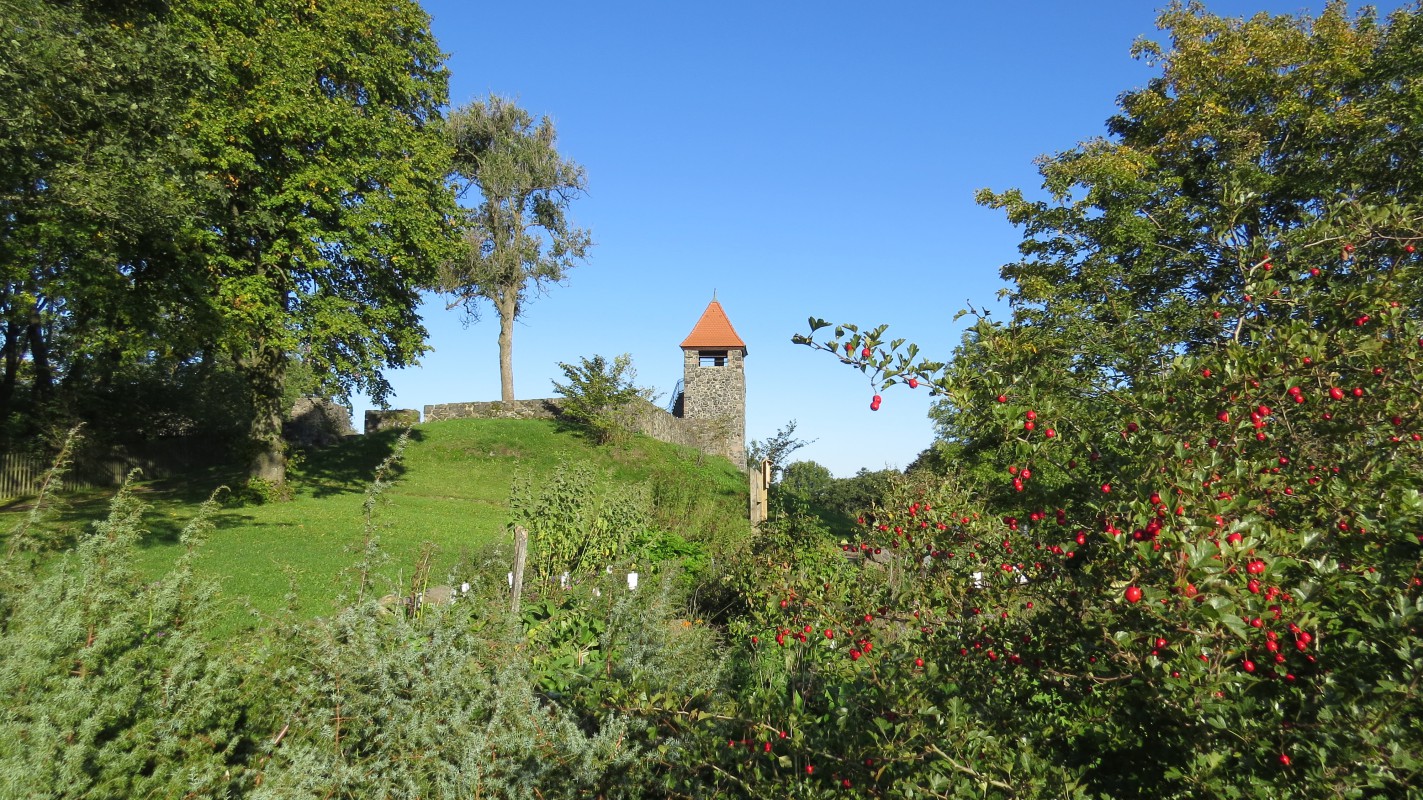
(777, 448)
(327, 204)
(96, 198)
(518, 239)
(216, 183)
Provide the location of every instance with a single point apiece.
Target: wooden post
(760, 488)
(521, 554)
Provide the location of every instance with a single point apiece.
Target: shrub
(108, 687)
(598, 393)
(576, 523)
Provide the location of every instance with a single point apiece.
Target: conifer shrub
(108, 687)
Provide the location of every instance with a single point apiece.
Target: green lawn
(451, 491)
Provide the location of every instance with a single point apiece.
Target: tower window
(712, 358)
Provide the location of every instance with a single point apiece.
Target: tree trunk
(507, 307)
(13, 352)
(265, 370)
(39, 360)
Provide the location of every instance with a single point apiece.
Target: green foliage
(214, 188)
(451, 487)
(257, 491)
(777, 448)
(598, 393)
(1183, 530)
(518, 239)
(861, 491)
(330, 203)
(30, 534)
(109, 688)
(95, 197)
(576, 523)
(385, 706)
(809, 480)
(1179, 554)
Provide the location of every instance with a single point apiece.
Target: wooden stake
(521, 554)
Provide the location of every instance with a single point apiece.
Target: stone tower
(714, 383)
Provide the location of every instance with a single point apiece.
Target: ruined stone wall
(317, 422)
(708, 436)
(519, 409)
(378, 420)
(715, 397)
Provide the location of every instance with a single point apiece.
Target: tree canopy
(1181, 524)
(217, 186)
(328, 205)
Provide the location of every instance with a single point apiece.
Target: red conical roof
(713, 332)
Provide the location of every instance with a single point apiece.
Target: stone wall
(317, 422)
(708, 436)
(519, 409)
(377, 420)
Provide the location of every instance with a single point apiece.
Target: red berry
(914, 383)
(1002, 398)
(1132, 594)
(874, 403)
(1223, 416)
(1050, 433)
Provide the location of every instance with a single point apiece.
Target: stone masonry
(715, 397)
(642, 416)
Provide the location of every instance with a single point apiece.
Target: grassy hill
(451, 491)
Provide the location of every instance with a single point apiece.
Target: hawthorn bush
(1197, 571)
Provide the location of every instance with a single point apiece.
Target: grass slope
(451, 491)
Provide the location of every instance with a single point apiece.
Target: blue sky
(796, 158)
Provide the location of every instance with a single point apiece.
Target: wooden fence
(21, 476)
